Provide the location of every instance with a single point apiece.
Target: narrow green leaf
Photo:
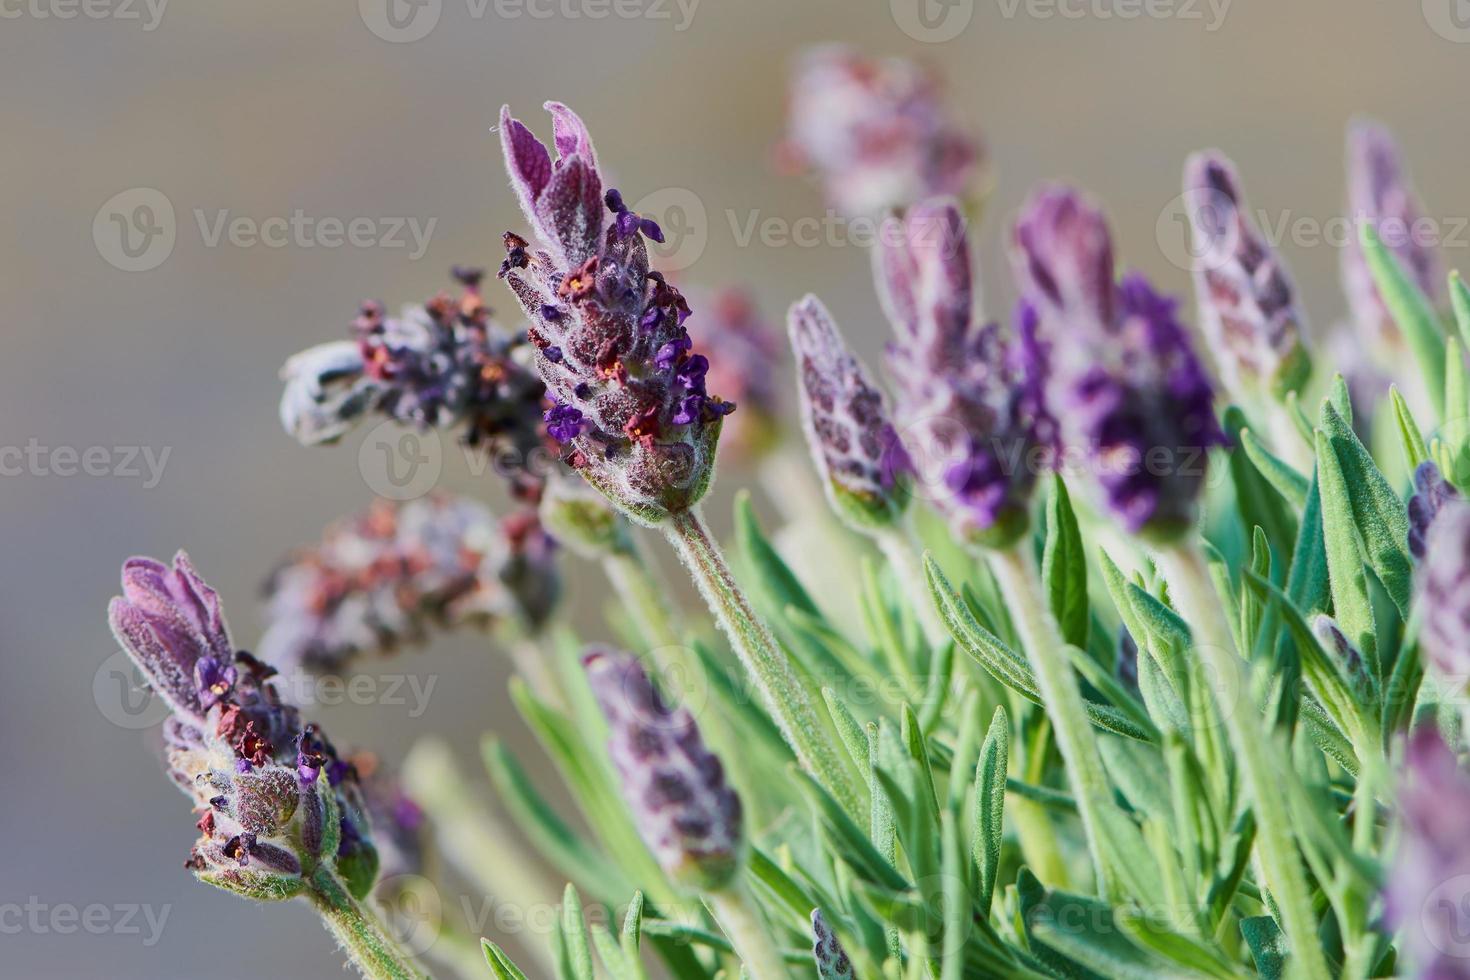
(987, 816)
(574, 931)
(1340, 397)
(1460, 302)
(500, 965)
(770, 575)
(958, 906)
(1411, 310)
(632, 934)
(1412, 438)
(848, 840)
(1345, 576)
(1267, 945)
(848, 729)
(1282, 476)
(1194, 956)
(1064, 567)
(614, 961)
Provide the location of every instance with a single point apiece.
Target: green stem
(529, 654)
(763, 659)
(374, 954)
(738, 917)
(1015, 572)
(901, 548)
(1257, 753)
(628, 570)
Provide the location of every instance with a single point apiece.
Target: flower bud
(831, 958)
(847, 424)
(583, 519)
(1247, 301)
(1431, 493)
(675, 787)
(1443, 594)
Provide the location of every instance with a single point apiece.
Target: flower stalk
(358, 932)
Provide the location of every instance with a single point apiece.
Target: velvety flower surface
(383, 578)
(1247, 301)
(1134, 405)
(968, 396)
(876, 132)
(1427, 895)
(1381, 196)
(1443, 594)
(629, 394)
(847, 424)
(442, 364)
(1431, 493)
(675, 787)
(276, 799)
(746, 358)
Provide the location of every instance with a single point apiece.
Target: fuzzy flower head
(746, 359)
(1443, 595)
(1247, 301)
(847, 423)
(877, 133)
(276, 800)
(1130, 396)
(675, 787)
(969, 397)
(442, 364)
(1427, 896)
(383, 578)
(630, 401)
(1381, 196)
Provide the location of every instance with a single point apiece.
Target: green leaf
(1064, 567)
(847, 839)
(1260, 502)
(1306, 582)
(771, 577)
(1412, 311)
(1189, 953)
(632, 933)
(1415, 450)
(1078, 936)
(1345, 576)
(613, 959)
(958, 910)
(1460, 303)
(574, 937)
(500, 965)
(1267, 945)
(987, 816)
(848, 729)
(1282, 476)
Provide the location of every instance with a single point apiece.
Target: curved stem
(375, 955)
(1015, 572)
(1256, 750)
(763, 659)
(738, 917)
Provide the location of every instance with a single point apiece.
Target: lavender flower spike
(1126, 387)
(686, 813)
(1380, 195)
(831, 958)
(968, 396)
(1431, 493)
(1443, 595)
(847, 424)
(278, 803)
(1425, 895)
(629, 396)
(1247, 302)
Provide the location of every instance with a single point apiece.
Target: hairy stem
(763, 659)
(359, 933)
(735, 910)
(1256, 751)
(1015, 572)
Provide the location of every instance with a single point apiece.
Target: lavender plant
(1206, 721)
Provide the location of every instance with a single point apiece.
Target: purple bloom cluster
(1443, 593)
(968, 396)
(442, 364)
(277, 800)
(675, 787)
(831, 958)
(1247, 303)
(1431, 493)
(629, 394)
(746, 358)
(1381, 196)
(877, 132)
(1427, 895)
(1125, 385)
(382, 578)
(847, 424)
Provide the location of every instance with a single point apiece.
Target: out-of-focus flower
(746, 355)
(1381, 196)
(1247, 302)
(1337, 644)
(968, 395)
(583, 519)
(1443, 594)
(675, 787)
(276, 799)
(1429, 878)
(382, 578)
(400, 828)
(831, 958)
(443, 364)
(856, 448)
(877, 133)
(629, 396)
(1124, 383)
(1431, 493)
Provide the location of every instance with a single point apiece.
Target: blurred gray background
(264, 109)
